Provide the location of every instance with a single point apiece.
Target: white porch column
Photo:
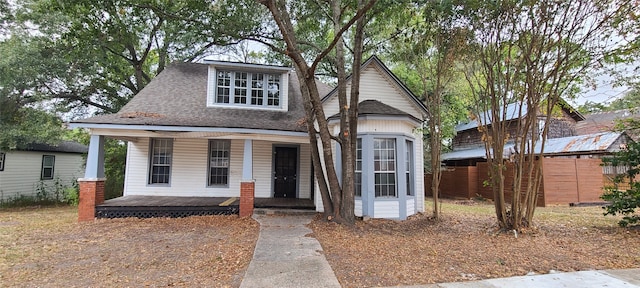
(247, 185)
(95, 158)
(92, 185)
(247, 160)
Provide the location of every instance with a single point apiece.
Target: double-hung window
(409, 166)
(219, 157)
(48, 164)
(160, 164)
(358, 169)
(248, 88)
(384, 162)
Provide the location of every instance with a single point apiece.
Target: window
(240, 91)
(234, 87)
(161, 154)
(48, 163)
(384, 163)
(224, 86)
(358, 170)
(2, 155)
(219, 151)
(409, 166)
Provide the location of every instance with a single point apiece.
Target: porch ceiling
(134, 135)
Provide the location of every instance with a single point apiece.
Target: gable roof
(377, 108)
(63, 147)
(605, 121)
(511, 113)
(374, 60)
(178, 97)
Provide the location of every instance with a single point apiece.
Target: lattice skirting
(163, 211)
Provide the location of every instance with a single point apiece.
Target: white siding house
(207, 129)
(40, 168)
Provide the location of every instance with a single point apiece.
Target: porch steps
(282, 212)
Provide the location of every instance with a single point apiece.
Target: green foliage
(624, 202)
(592, 107)
(28, 125)
(115, 157)
(100, 53)
(630, 100)
(49, 193)
(115, 154)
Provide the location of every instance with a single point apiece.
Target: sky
(605, 89)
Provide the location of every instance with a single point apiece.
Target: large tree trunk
(337, 206)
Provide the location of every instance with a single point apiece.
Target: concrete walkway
(627, 278)
(285, 257)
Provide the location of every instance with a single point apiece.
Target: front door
(285, 172)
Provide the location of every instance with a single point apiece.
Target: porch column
(92, 185)
(368, 192)
(401, 158)
(247, 186)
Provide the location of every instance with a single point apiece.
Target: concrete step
(280, 211)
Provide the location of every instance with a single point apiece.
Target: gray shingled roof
(63, 146)
(375, 107)
(178, 97)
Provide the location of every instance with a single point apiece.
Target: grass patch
(580, 216)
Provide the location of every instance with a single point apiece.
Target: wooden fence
(564, 181)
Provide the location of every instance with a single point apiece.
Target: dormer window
(242, 88)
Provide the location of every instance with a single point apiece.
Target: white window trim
(358, 193)
(212, 90)
(150, 166)
(52, 167)
(394, 171)
(211, 141)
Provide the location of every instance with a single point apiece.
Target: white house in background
(24, 172)
(208, 129)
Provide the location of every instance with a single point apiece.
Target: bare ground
(45, 247)
(465, 244)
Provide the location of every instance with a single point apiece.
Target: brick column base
(247, 194)
(91, 194)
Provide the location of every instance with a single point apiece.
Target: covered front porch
(196, 173)
(169, 206)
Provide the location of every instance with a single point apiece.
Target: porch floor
(166, 206)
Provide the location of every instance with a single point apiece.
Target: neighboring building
(40, 166)
(571, 173)
(223, 129)
(606, 122)
(468, 146)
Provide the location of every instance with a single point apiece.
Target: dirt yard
(466, 245)
(45, 247)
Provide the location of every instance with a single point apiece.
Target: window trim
(52, 167)
(228, 167)
(379, 172)
(3, 157)
(409, 173)
(248, 89)
(212, 87)
(358, 188)
(151, 164)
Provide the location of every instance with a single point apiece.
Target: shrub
(624, 201)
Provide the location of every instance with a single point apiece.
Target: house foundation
(247, 197)
(91, 194)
